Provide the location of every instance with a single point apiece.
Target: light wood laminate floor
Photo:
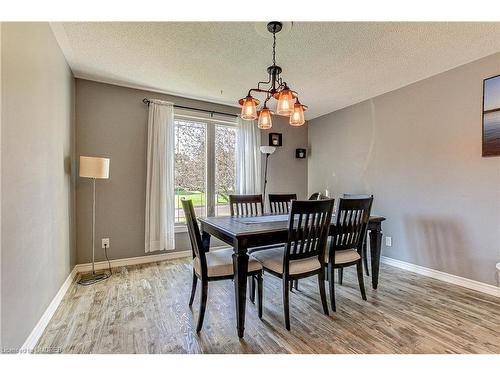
(144, 309)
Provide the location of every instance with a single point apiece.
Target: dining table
(248, 232)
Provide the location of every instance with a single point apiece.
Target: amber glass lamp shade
(285, 103)
(297, 117)
(265, 119)
(249, 109)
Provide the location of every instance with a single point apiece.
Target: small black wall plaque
(300, 153)
(275, 139)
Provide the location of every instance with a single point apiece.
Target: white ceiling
(331, 65)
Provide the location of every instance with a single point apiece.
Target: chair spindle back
(308, 227)
(280, 203)
(246, 205)
(352, 223)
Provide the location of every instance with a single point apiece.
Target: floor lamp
(94, 168)
(267, 150)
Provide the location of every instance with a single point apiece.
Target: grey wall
(286, 174)
(37, 147)
(112, 122)
(418, 150)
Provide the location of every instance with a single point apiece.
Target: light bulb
(285, 103)
(248, 109)
(265, 119)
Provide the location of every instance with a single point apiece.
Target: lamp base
(93, 278)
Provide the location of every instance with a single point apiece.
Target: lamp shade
(297, 117)
(92, 167)
(267, 149)
(285, 103)
(248, 108)
(264, 121)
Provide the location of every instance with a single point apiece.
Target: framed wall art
(491, 116)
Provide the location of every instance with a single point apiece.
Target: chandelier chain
(277, 89)
(274, 47)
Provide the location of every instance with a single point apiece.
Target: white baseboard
(34, 336)
(86, 267)
(443, 276)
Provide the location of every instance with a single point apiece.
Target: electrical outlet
(388, 241)
(105, 243)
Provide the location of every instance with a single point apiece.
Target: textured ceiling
(331, 65)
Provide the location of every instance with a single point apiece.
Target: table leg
(240, 266)
(375, 249)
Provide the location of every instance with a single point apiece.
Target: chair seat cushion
(220, 263)
(344, 256)
(273, 259)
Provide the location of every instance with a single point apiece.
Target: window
(205, 164)
(225, 167)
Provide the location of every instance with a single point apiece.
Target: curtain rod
(147, 101)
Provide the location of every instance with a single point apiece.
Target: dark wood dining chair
(346, 244)
(356, 196)
(317, 196)
(246, 204)
(314, 197)
(303, 254)
(213, 265)
(280, 203)
(364, 252)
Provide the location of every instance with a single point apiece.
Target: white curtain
(248, 179)
(160, 203)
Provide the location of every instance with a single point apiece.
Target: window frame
(212, 121)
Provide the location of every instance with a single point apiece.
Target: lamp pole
(267, 150)
(265, 178)
(93, 226)
(94, 168)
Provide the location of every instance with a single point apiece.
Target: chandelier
(288, 100)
